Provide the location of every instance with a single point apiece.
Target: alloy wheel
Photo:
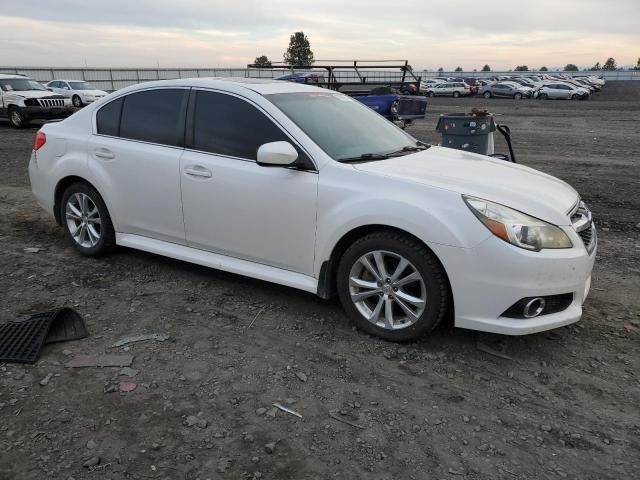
(83, 220)
(387, 290)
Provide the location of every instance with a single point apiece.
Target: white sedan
(81, 93)
(309, 188)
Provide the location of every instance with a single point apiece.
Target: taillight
(39, 141)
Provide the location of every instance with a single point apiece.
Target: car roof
(258, 85)
(12, 75)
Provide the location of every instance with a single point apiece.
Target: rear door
(135, 154)
(232, 205)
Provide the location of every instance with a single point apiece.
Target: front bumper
(490, 277)
(48, 112)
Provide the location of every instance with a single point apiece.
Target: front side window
(228, 125)
(154, 116)
(341, 126)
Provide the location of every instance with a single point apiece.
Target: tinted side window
(108, 118)
(154, 116)
(228, 125)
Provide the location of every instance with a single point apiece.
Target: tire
(456, 94)
(517, 96)
(543, 96)
(487, 95)
(98, 237)
(17, 118)
(575, 96)
(431, 94)
(77, 101)
(428, 293)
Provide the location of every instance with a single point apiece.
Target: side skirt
(219, 262)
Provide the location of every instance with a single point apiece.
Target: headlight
(516, 227)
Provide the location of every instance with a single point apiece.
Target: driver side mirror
(276, 154)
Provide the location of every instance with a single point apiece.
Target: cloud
(216, 33)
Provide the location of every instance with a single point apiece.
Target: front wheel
(17, 118)
(86, 221)
(517, 96)
(77, 101)
(575, 96)
(543, 96)
(456, 94)
(431, 94)
(392, 286)
(486, 94)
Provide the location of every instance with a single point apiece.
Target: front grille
(583, 225)
(51, 102)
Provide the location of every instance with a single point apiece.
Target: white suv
(23, 99)
(309, 188)
(451, 89)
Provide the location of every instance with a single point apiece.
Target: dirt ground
(561, 404)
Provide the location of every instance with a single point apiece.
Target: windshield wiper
(365, 157)
(409, 149)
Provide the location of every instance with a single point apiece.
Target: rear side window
(154, 116)
(108, 118)
(227, 125)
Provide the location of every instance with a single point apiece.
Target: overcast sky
(429, 33)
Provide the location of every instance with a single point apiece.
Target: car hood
(516, 186)
(91, 93)
(33, 93)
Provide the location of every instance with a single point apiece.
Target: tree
(522, 68)
(544, 69)
(440, 69)
(596, 66)
(570, 67)
(299, 53)
(262, 61)
(610, 64)
(486, 68)
(638, 64)
(458, 69)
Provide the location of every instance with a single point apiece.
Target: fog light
(534, 307)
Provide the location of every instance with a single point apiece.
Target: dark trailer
(396, 97)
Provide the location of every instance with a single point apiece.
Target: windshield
(80, 86)
(19, 85)
(344, 128)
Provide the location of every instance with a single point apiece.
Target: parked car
(426, 83)
(23, 99)
(505, 90)
(562, 90)
(311, 78)
(310, 189)
(393, 105)
(81, 93)
(455, 89)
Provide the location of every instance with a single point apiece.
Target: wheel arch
(329, 268)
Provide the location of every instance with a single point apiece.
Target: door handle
(104, 153)
(197, 171)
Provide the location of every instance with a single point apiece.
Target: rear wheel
(517, 96)
(17, 118)
(543, 96)
(431, 94)
(86, 221)
(456, 94)
(487, 95)
(392, 286)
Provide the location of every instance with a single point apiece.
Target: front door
(232, 205)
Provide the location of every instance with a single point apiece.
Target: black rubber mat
(21, 340)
